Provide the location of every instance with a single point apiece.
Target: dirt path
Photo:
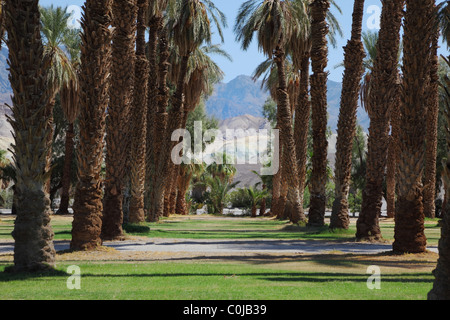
(233, 246)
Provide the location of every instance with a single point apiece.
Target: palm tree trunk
(153, 129)
(158, 101)
(139, 121)
(429, 192)
(276, 188)
(319, 53)
(392, 160)
(382, 96)
(262, 206)
(346, 130)
(301, 127)
(94, 87)
(164, 159)
(67, 171)
(409, 218)
(33, 235)
(184, 180)
(441, 287)
(176, 170)
(289, 166)
(117, 125)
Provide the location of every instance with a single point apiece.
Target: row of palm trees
(132, 95)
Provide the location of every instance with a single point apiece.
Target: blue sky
(245, 62)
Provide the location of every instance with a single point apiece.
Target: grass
(289, 278)
(207, 227)
(111, 274)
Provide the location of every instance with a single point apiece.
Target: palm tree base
(409, 227)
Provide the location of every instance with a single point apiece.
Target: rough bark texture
(432, 104)
(382, 95)
(164, 161)
(184, 179)
(139, 121)
(276, 190)
(441, 286)
(346, 129)
(319, 60)
(67, 171)
(409, 217)
(392, 158)
(94, 86)
(33, 235)
(117, 125)
(290, 185)
(152, 145)
(301, 127)
(158, 101)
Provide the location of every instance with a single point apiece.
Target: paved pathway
(233, 246)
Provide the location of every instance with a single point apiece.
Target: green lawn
(229, 228)
(213, 281)
(114, 275)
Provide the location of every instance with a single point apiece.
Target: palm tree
(302, 120)
(117, 125)
(157, 90)
(61, 72)
(256, 197)
(370, 40)
(382, 96)
(432, 103)
(354, 55)
(275, 21)
(33, 235)
(409, 217)
(218, 190)
(441, 290)
(139, 120)
(203, 73)
(265, 181)
(69, 102)
(191, 27)
(94, 89)
(319, 52)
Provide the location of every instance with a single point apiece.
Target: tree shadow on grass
(310, 277)
(11, 274)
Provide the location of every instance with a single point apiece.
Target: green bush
(136, 228)
(240, 198)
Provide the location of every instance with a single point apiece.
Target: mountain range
(243, 96)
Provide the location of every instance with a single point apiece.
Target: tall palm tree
(33, 235)
(71, 108)
(139, 120)
(382, 96)
(203, 73)
(441, 288)
(61, 72)
(94, 89)
(432, 104)
(275, 21)
(354, 55)
(370, 40)
(409, 217)
(191, 27)
(124, 14)
(158, 91)
(319, 53)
